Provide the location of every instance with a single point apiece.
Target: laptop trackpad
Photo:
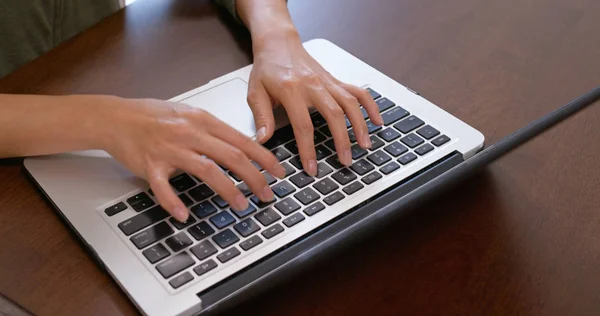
(227, 102)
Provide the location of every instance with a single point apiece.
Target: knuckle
(336, 112)
(236, 155)
(305, 127)
(204, 167)
(253, 97)
(312, 78)
(289, 82)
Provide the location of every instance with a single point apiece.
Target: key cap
(318, 137)
(428, 132)
(219, 201)
(287, 206)
(228, 254)
(204, 267)
(353, 187)
(384, 104)
(225, 238)
(389, 168)
(156, 253)
(389, 134)
(317, 119)
(280, 136)
(348, 124)
(296, 162)
(137, 198)
(289, 170)
(357, 151)
(246, 227)
(314, 209)
(143, 220)
(178, 242)
(175, 264)
(408, 124)
(302, 179)
(267, 217)
(334, 162)
(323, 170)
(292, 147)
(440, 140)
(372, 128)
(203, 250)
(182, 182)
(394, 115)
(307, 196)
(235, 176)
(270, 179)
(181, 280)
(117, 208)
(423, 149)
(333, 198)
(379, 157)
(272, 231)
(222, 219)
(186, 199)
(376, 142)
(201, 231)
(411, 140)
(283, 189)
(150, 192)
(364, 113)
(344, 176)
(405, 159)
(322, 152)
(325, 186)
(142, 205)
(191, 220)
(203, 209)
(243, 187)
(201, 192)
(374, 94)
(352, 135)
(330, 144)
(395, 149)
(281, 153)
(325, 131)
(259, 203)
(251, 242)
(293, 220)
(371, 177)
(362, 167)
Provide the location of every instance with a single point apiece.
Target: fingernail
(312, 167)
(347, 157)
(261, 133)
(181, 213)
(240, 202)
(267, 194)
(367, 140)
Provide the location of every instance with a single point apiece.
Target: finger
(297, 111)
(364, 97)
(262, 109)
(351, 107)
(158, 177)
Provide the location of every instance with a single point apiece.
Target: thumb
(262, 109)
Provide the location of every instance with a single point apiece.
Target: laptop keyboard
(215, 234)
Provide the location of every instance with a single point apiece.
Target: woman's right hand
(154, 139)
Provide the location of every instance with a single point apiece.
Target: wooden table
(521, 237)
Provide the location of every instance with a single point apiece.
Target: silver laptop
(219, 255)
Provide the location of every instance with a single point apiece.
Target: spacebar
(143, 220)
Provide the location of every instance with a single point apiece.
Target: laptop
(221, 256)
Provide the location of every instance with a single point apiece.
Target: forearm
(37, 125)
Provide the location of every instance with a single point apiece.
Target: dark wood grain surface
(522, 237)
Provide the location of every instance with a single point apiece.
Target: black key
(138, 198)
(178, 242)
(191, 220)
(318, 137)
(384, 104)
(203, 250)
(244, 188)
(150, 192)
(256, 165)
(325, 131)
(325, 186)
(372, 127)
(352, 135)
(307, 196)
(225, 238)
(348, 124)
(219, 201)
(411, 140)
(293, 220)
(423, 149)
(156, 253)
(203, 209)
(333, 198)
(334, 161)
(330, 144)
(302, 179)
(201, 231)
(314, 209)
(379, 157)
(251, 242)
(376, 142)
(260, 203)
(222, 167)
(228, 254)
(201, 192)
(344, 176)
(357, 151)
(394, 115)
(281, 153)
(322, 152)
(287, 206)
(142, 205)
(267, 217)
(292, 147)
(364, 113)
(270, 179)
(235, 176)
(389, 168)
(405, 159)
(318, 119)
(246, 227)
(428, 132)
(143, 220)
(272, 231)
(408, 124)
(374, 94)
(353, 187)
(296, 162)
(175, 264)
(281, 136)
(395, 149)
(283, 189)
(389, 134)
(440, 140)
(323, 170)
(222, 219)
(182, 182)
(117, 208)
(205, 267)
(361, 167)
(288, 169)
(186, 199)
(371, 177)
(179, 281)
